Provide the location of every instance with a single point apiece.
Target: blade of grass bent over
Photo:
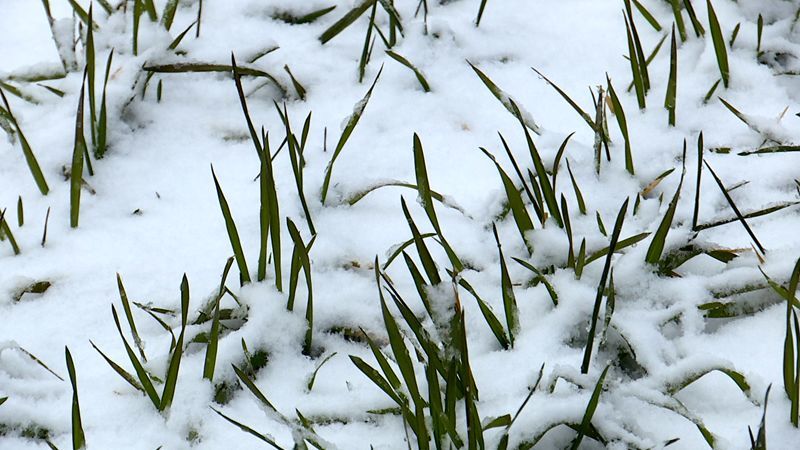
(417, 73)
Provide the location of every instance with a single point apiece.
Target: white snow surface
(158, 165)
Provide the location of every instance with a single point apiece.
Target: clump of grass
(269, 212)
(143, 381)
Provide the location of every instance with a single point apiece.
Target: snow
(157, 165)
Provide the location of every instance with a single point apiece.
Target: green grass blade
(417, 73)
(590, 410)
(30, 158)
(509, 300)
(424, 254)
(141, 373)
(518, 210)
(129, 316)
(233, 233)
(656, 247)
(76, 172)
(696, 212)
(426, 197)
(307, 18)
(302, 254)
(535, 199)
(672, 84)
(594, 126)
(82, 14)
(699, 31)
(5, 230)
(636, 67)
(676, 10)
(249, 430)
(120, 371)
(488, 315)
(719, 44)
(168, 14)
(251, 386)
(541, 278)
(20, 212)
(171, 381)
(544, 181)
(177, 41)
(310, 384)
(298, 88)
(78, 436)
(735, 208)
(578, 193)
(587, 355)
(619, 113)
(506, 100)
(102, 119)
(480, 13)
(346, 20)
(376, 378)
(212, 347)
(647, 15)
(366, 51)
(358, 111)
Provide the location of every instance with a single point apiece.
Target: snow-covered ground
(151, 214)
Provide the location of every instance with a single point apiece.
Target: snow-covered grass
(441, 241)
